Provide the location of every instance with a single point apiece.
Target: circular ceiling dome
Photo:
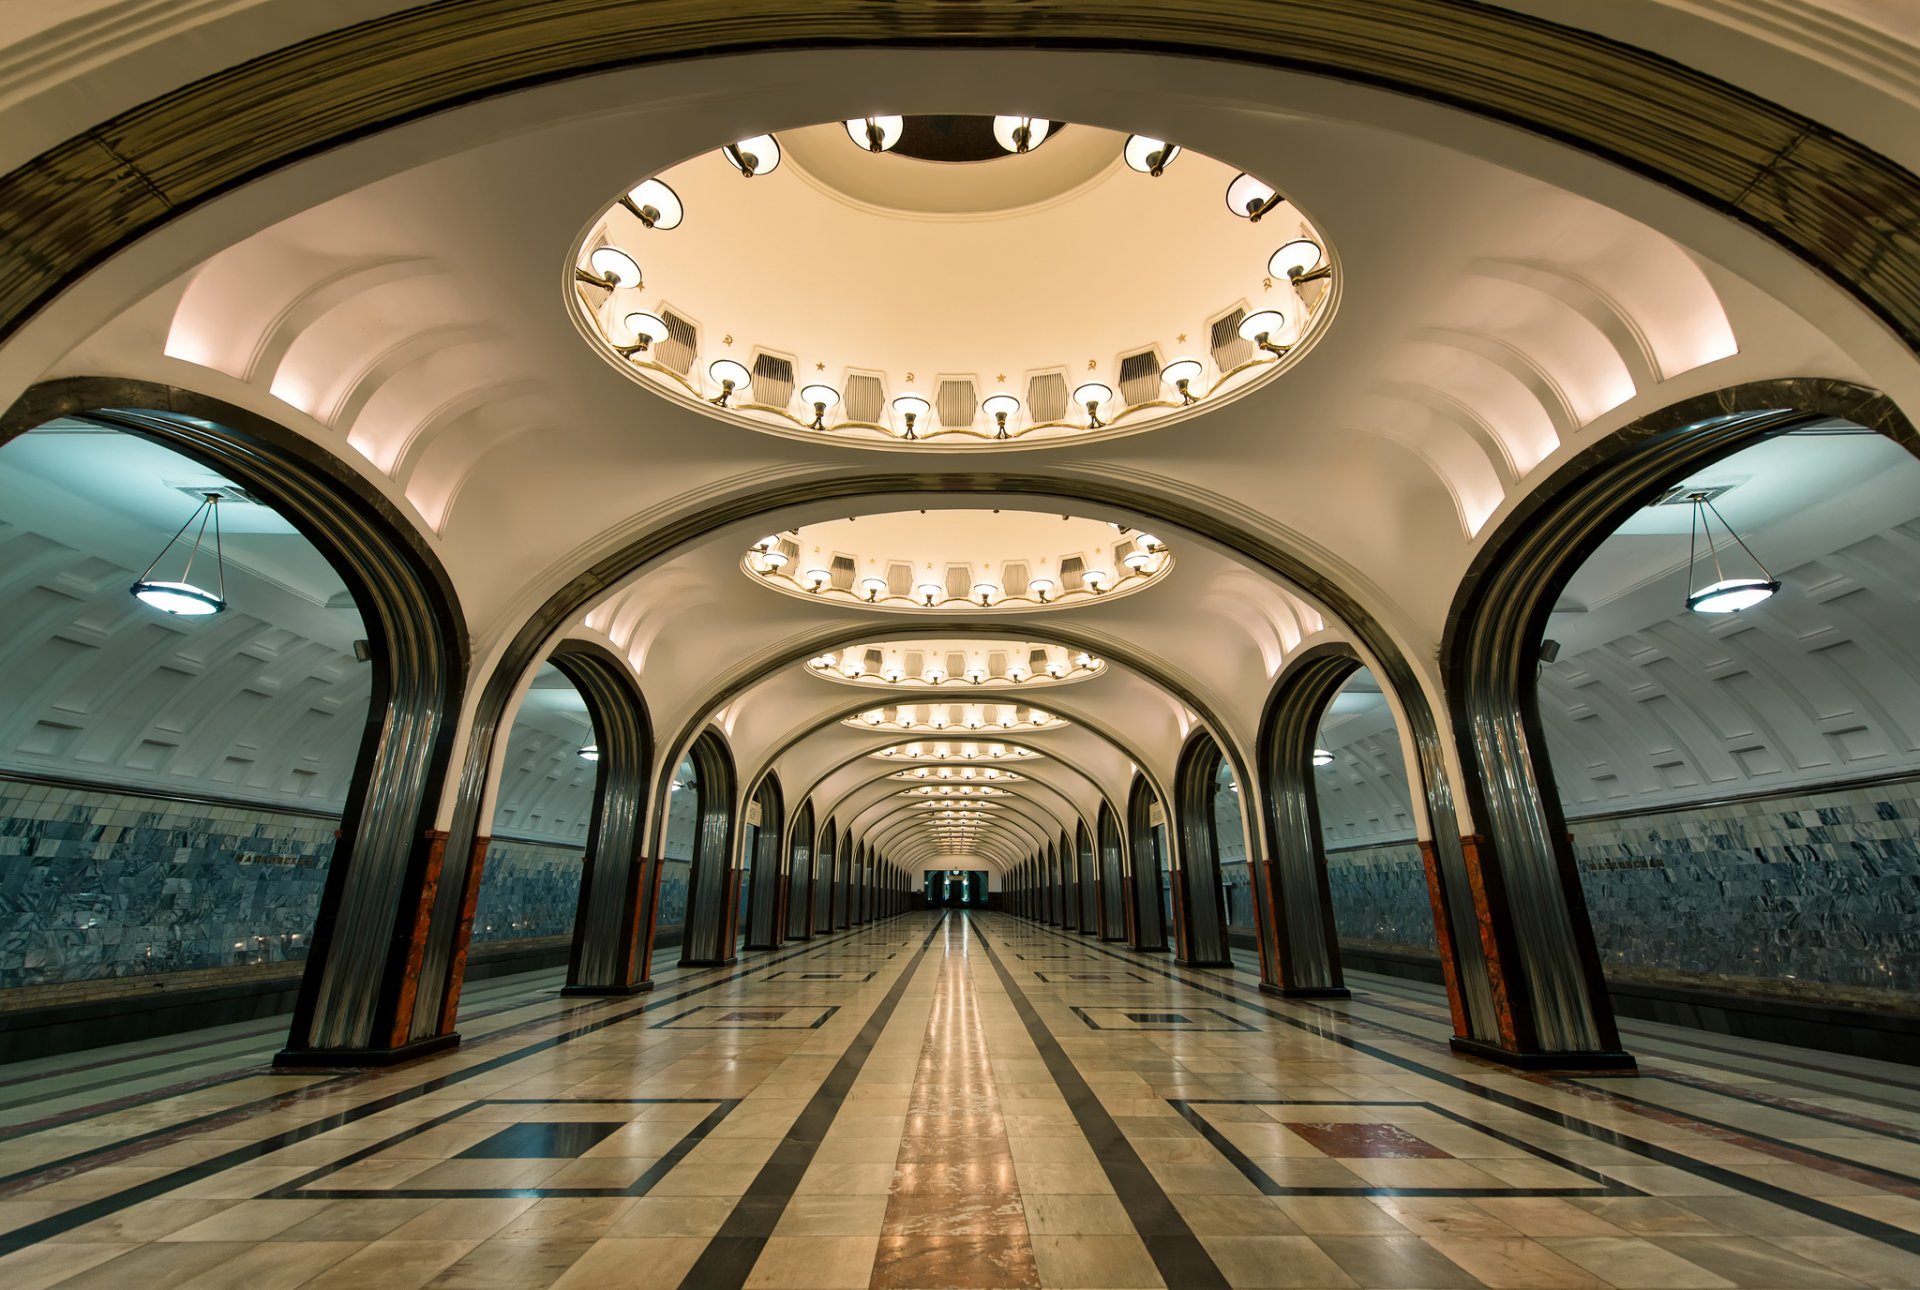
(987, 752)
(962, 664)
(949, 291)
(958, 775)
(957, 718)
(957, 562)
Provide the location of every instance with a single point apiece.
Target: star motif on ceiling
(1002, 378)
(1182, 338)
(819, 367)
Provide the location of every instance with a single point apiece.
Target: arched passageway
(1150, 895)
(761, 884)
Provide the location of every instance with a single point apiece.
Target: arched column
(765, 889)
(1146, 848)
(826, 877)
(361, 998)
(1551, 998)
(1087, 880)
(1069, 904)
(1197, 890)
(712, 882)
(1113, 902)
(606, 928)
(1299, 899)
(800, 877)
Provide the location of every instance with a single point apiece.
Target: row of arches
(395, 920)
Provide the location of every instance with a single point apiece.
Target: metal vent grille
(1013, 577)
(956, 664)
(1140, 377)
(864, 398)
(772, 380)
(1071, 569)
(874, 660)
(899, 578)
(225, 492)
(1229, 351)
(997, 663)
(1047, 397)
(790, 549)
(914, 662)
(959, 580)
(681, 345)
(953, 401)
(1037, 660)
(841, 572)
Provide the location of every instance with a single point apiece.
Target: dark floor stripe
(729, 1257)
(54, 1225)
(1847, 1219)
(1182, 1260)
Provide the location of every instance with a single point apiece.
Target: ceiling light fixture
(730, 376)
(182, 597)
(1300, 260)
(929, 592)
(1262, 327)
(590, 753)
(1724, 595)
(1000, 407)
(646, 328)
(759, 155)
(1321, 757)
(1090, 396)
(910, 407)
(1249, 198)
(1041, 587)
(875, 133)
(986, 591)
(654, 204)
(873, 586)
(817, 579)
(1180, 374)
(1149, 156)
(610, 267)
(1021, 133)
(822, 397)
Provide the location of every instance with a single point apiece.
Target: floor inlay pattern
(965, 1101)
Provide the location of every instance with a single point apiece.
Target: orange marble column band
(1443, 934)
(1481, 881)
(436, 844)
(463, 935)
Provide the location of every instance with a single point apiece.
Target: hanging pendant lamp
(1723, 595)
(184, 597)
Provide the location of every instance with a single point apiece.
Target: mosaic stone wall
(96, 884)
(527, 890)
(1820, 889)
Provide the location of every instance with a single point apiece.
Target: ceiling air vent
(956, 664)
(960, 581)
(1037, 660)
(1047, 397)
(772, 380)
(225, 492)
(954, 402)
(899, 578)
(1071, 569)
(1683, 494)
(875, 660)
(913, 662)
(681, 344)
(997, 663)
(840, 572)
(1229, 351)
(1013, 577)
(790, 549)
(864, 398)
(1140, 377)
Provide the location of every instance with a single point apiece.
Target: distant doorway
(957, 888)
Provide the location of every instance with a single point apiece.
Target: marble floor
(956, 1101)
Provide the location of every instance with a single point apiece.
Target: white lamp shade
(1247, 194)
(1039, 587)
(986, 591)
(1004, 127)
(755, 156)
(180, 598)
(1137, 561)
(824, 395)
(611, 264)
(1139, 153)
(1181, 369)
(653, 195)
(1302, 255)
(590, 753)
(774, 560)
(911, 405)
(818, 577)
(931, 591)
(873, 586)
(1731, 595)
(888, 126)
(725, 370)
(995, 404)
(1321, 757)
(1097, 577)
(1267, 322)
(1092, 392)
(647, 327)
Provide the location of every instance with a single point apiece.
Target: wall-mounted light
(935, 674)
(1021, 133)
(759, 155)
(1041, 588)
(646, 329)
(1723, 595)
(1149, 156)
(1262, 327)
(929, 592)
(182, 596)
(1098, 579)
(654, 204)
(873, 586)
(822, 397)
(1000, 407)
(986, 591)
(610, 267)
(1180, 374)
(590, 753)
(892, 673)
(1300, 260)
(730, 376)
(910, 408)
(1091, 396)
(1137, 560)
(1249, 198)
(875, 133)
(817, 579)
(1321, 757)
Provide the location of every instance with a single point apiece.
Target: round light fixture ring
(181, 599)
(1731, 595)
(759, 155)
